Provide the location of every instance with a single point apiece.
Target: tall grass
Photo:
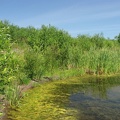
(12, 94)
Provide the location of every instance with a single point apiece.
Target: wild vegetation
(32, 54)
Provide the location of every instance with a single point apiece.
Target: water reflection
(98, 100)
(114, 93)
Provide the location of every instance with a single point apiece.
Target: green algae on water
(45, 102)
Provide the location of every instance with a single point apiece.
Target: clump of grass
(12, 94)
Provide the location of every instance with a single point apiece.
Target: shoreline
(33, 84)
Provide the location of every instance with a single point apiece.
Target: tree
(118, 38)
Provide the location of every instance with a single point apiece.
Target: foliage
(5, 57)
(52, 49)
(9, 64)
(30, 53)
(118, 38)
(34, 64)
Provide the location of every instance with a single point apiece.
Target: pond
(100, 100)
(78, 98)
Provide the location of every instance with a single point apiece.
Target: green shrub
(34, 64)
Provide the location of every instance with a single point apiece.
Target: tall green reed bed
(94, 55)
(104, 61)
(101, 61)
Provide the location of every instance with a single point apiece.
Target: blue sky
(74, 16)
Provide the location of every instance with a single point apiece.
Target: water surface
(100, 100)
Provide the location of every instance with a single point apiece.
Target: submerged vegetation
(35, 54)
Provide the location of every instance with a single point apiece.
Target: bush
(34, 64)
